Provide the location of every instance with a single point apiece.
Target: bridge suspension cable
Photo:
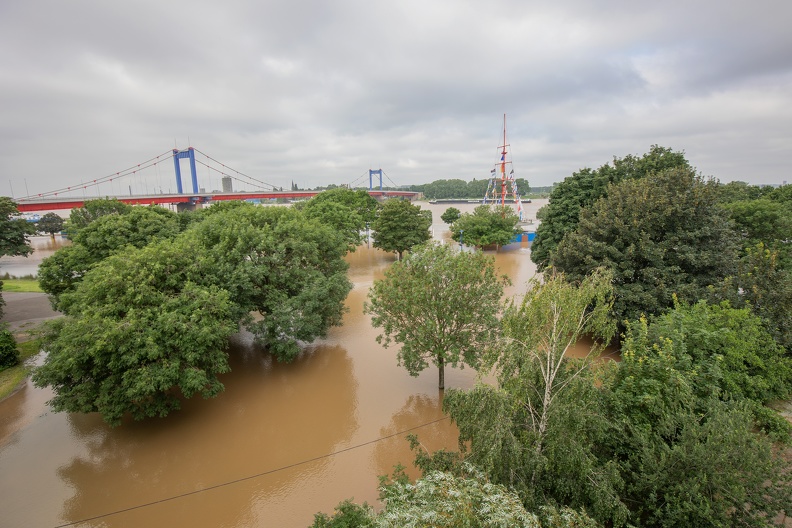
(104, 179)
(358, 179)
(250, 179)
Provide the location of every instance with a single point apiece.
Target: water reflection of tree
(436, 432)
(272, 415)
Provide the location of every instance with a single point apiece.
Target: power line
(249, 477)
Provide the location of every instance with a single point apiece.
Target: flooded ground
(283, 441)
(43, 247)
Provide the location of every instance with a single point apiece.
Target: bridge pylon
(371, 175)
(189, 154)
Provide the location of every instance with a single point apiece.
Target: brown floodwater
(282, 442)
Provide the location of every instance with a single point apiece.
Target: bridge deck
(28, 205)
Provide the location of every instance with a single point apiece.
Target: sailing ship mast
(504, 187)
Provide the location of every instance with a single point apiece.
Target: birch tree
(537, 430)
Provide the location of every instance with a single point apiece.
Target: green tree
(585, 187)
(148, 325)
(91, 210)
(14, 230)
(275, 262)
(764, 221)
(339, 216)
(360, 201)
(765, 286)
(102, 237)
(439, 305)
(9, 353)
(14, 233)
(400, 225)
(662, 235)
(450, 215)
(749, 363)
(539, 430)
(138, 334)
(686, 458)
(487, 226)
(50, 223)
(737, 191)
(344, 209)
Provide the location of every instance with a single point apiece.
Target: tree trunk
(441, 370)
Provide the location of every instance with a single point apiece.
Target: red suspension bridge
(140, 178)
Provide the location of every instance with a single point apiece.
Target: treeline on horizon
(459, 189)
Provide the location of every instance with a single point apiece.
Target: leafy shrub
(9, 354)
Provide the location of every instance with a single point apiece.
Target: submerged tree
(451, 215)
(487, 226)
(275, 262)
(147, 325)
(50, 223)
(344, 209)
(400, 225)
(138, 333)
(440, 306)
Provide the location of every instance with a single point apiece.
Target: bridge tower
(190, 154)
(371, 174)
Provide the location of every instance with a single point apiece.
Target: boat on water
(502, 187)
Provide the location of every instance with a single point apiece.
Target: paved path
(24, 311)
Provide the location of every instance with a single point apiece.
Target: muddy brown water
(283, 441)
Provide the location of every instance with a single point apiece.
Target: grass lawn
(21, 285)
(10, 378)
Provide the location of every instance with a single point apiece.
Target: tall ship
(502, 187)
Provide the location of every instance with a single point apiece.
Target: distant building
(227, 185)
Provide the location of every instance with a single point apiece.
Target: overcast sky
(319, 92)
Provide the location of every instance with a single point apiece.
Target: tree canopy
(103, 236)
(400, 225)
(687, 458)
(14, 230)
(764, 221)
(451, 215)
(274, 261)
(529, 433)
(50, 223)
(135, 329)
(583, 188)
(486, 226)
(80, 217)
(662, 235)
(449, 500)
(147, 325)
(657, 439)
(346, 210)
(441, 306)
